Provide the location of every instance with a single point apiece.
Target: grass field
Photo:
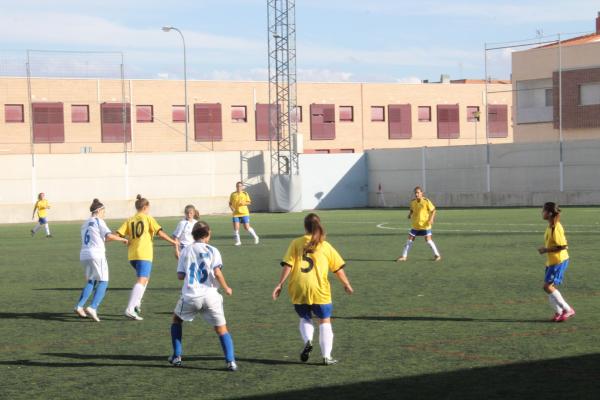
(471, 326)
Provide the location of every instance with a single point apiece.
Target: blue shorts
(321, 310)
(142, 268)
(555, 273)
(43, 221)
(419, 232)
(244, 220)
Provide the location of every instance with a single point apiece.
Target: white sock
(555, 306)
(326, 339)
(236, 236)
(251, 231)
(559, 299)
(136, 295)
(307, 330)
(139, 303)
(407, 247)
(433, 247)
(47, 227)
(37, 228)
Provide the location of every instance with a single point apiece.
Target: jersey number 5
(310, 261)
(198, 273)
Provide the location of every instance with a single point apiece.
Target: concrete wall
(519, 174)
(333, 181)
(168, 180)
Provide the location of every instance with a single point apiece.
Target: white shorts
(209, 306)
(95, 269)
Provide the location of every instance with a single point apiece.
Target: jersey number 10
(137, 229)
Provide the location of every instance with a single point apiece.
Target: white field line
(382, 226)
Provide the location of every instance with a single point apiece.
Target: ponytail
(554, 210)
(96, 206)
(191, 207)
(312, 225)
(141, 202)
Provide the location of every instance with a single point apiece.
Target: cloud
(409, 79)
(323, 75)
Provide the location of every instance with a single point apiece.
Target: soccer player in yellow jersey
(238, 203)
(307, 262)
(140, 230)
(42, 206)
(421, 214)
(557, 261)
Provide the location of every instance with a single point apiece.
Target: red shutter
(80, 113)
(322, 121)
(399, 121)
(266, 121)
(424, 114)
(448, 122)
(178, 113)
(347, 113)
(111, 117)
(144, 113)
(497, 121)
(207, 122)
(48, 123)
(13, 113)
(472, 114)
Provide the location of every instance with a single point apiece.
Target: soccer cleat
(401, 258)
(49, 236)
(437, 258)
(566, 315)
(306, 351)
(556, 317)
(92, 313)
(256, 240)
(175, 361)
(133, 315)
(32, 233)
(232, 366)
(238, 243)
(329, 361)
(138, 309)
(79, 311)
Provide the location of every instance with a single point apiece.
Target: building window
(208, 126)
(115, 122)
(238, 114)
(80, 113)
(424, 113)
(48, 122)
(296, 115)
(377, 113)
(266, 118)
(178, 113)
(473, 114)
(448, 121)
(549, 98)
(13, 113)
(346, 113)
(346, 151)
(144, 113)
(497, 120)
(589, 94)
(322, 121)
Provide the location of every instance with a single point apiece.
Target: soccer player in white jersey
(94, 233)
(183, 231)
(199, 268)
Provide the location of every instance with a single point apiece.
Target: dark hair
(191, 207)
(239, 183)
(96, 206)
(200, 230)
(418, 188)
(40, 194)
(141, 202)
(312, 225)
(554, 210)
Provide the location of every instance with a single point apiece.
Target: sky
(337, 41)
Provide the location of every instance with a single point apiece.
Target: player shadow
(51, 364)
(58, 317)
(439, 319)
(371, 259)
(163, 358)
(78, 289)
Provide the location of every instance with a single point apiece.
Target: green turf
(471, 326)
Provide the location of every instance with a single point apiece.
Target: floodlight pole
(167, 29)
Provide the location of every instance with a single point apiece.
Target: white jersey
(198, 262)
(93, 233)
(183, 232)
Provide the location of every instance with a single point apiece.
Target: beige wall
(165, 135)
(541, 63)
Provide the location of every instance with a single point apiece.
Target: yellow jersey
(552, 238)
(42, 208)
(421, 211)
(308, 283)
(140, 229)
(238, 202)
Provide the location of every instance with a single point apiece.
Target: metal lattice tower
(281, 15)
